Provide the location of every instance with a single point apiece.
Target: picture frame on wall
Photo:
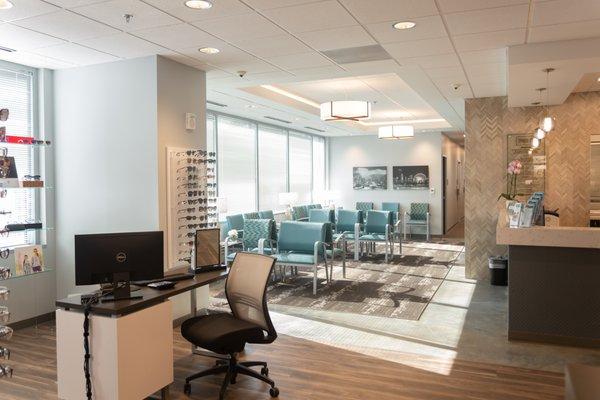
(410, 177)
(369, 178)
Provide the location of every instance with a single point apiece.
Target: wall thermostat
(190, 121)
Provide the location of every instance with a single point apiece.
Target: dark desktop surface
(150, 296)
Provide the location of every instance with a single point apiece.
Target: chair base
(231, 368)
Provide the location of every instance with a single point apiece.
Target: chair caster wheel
(264, 371)
(187, 388)
(274, 392)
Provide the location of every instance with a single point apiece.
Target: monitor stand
(121, 288)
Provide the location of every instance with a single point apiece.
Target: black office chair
(249, 322)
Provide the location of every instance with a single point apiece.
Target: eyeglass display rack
(7, 184)
(192, 200)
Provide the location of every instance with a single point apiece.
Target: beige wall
(488, 122)
(455, 199)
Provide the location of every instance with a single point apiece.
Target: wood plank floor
(303, 370)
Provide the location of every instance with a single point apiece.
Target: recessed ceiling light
(5, 4)
(209, 50)
(198, 4)
(404, 25)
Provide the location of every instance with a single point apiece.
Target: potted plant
(513, 171)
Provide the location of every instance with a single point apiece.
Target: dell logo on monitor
(121, 257)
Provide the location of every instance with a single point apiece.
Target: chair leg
(344, 263)
(356, 244)
(242, 369)
(253, 363)
(226, 381)
(315, 280)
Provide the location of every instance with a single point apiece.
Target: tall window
(17, 94)
(301, 166)
(318, 163)
(211, 134)
(272, 166)
(237, 164)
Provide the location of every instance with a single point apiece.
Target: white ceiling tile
(493, 19)
(452, 6)
(337, 38)
(489, 40)
(492, 71)
(66, 25)
(34, 60)
(178, 36)
(26, 9)
(562, 11)
(299, 61)
(436, 61)
(426, 28)
(267, 4)
(446, 86)
(373, 11)
(18, 38)
(122, 45)
(320, 72)
(112, 12)
(484, 56)
(251, 67)
(573, 30)
(444, 72)
(240, 27)
(489, 90)
(76, 54)
(311, 17)
(220, 8)
(273, 46)
(372, 67)
(73, 3)
(419, 48)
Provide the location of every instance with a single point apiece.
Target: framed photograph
(369, 178)
(29, 260)
(413, 177)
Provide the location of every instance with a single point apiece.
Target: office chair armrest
(342, 237)
(317, 247)
(388, 231)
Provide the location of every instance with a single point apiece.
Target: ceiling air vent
(278, 119)
(314, 129)
(214, 103)
(358, 54)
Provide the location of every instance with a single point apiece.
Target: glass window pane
(237, 164)
(301, 166)
(211, 144)
(272, 167)
(318, 158)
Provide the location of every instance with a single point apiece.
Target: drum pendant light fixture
(547, 123)
(396, 132)
(345, 110)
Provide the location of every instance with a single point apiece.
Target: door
(444, 191)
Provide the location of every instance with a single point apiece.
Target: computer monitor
(208, 248)
(118, 258)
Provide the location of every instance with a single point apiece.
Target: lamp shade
(547, 124)
(396, 132)
(540, 133)
(345, 110)
(288, 198)
(222, 205)
(535, 143)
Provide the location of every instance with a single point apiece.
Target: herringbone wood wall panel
(488, 122)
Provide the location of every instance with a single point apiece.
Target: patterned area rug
(401, 288)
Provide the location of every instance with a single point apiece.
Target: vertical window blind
(17, 94)
(318, 159)
(301, 166)
(272, 166)
(237, 164)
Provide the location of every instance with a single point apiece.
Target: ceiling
(457, 50)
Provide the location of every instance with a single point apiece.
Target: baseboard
(32, 321)
(554, 339)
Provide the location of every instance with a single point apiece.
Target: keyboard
(170, 278)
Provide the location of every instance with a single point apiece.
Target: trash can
(498, 270)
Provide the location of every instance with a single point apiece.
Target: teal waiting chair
(364, 206)
(394, 208)
(251, 215)
(320, 215)
(418, 216)
(302, 244)
(236, 222)
(377, 229)
(267, 214)
(336, 246)
(258, 237)
(347, 222)
(300, 213)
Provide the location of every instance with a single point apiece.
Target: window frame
(287, 132)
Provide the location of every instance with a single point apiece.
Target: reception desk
(554, 283)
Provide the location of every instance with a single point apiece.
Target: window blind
(17, 94)
(272, 166)
(300, 148)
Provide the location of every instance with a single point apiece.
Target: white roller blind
(301, 166)
(17, 94)
(237, 164)
(272, 166)
(318, 159)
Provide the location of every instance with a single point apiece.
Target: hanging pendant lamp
(547, 123)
